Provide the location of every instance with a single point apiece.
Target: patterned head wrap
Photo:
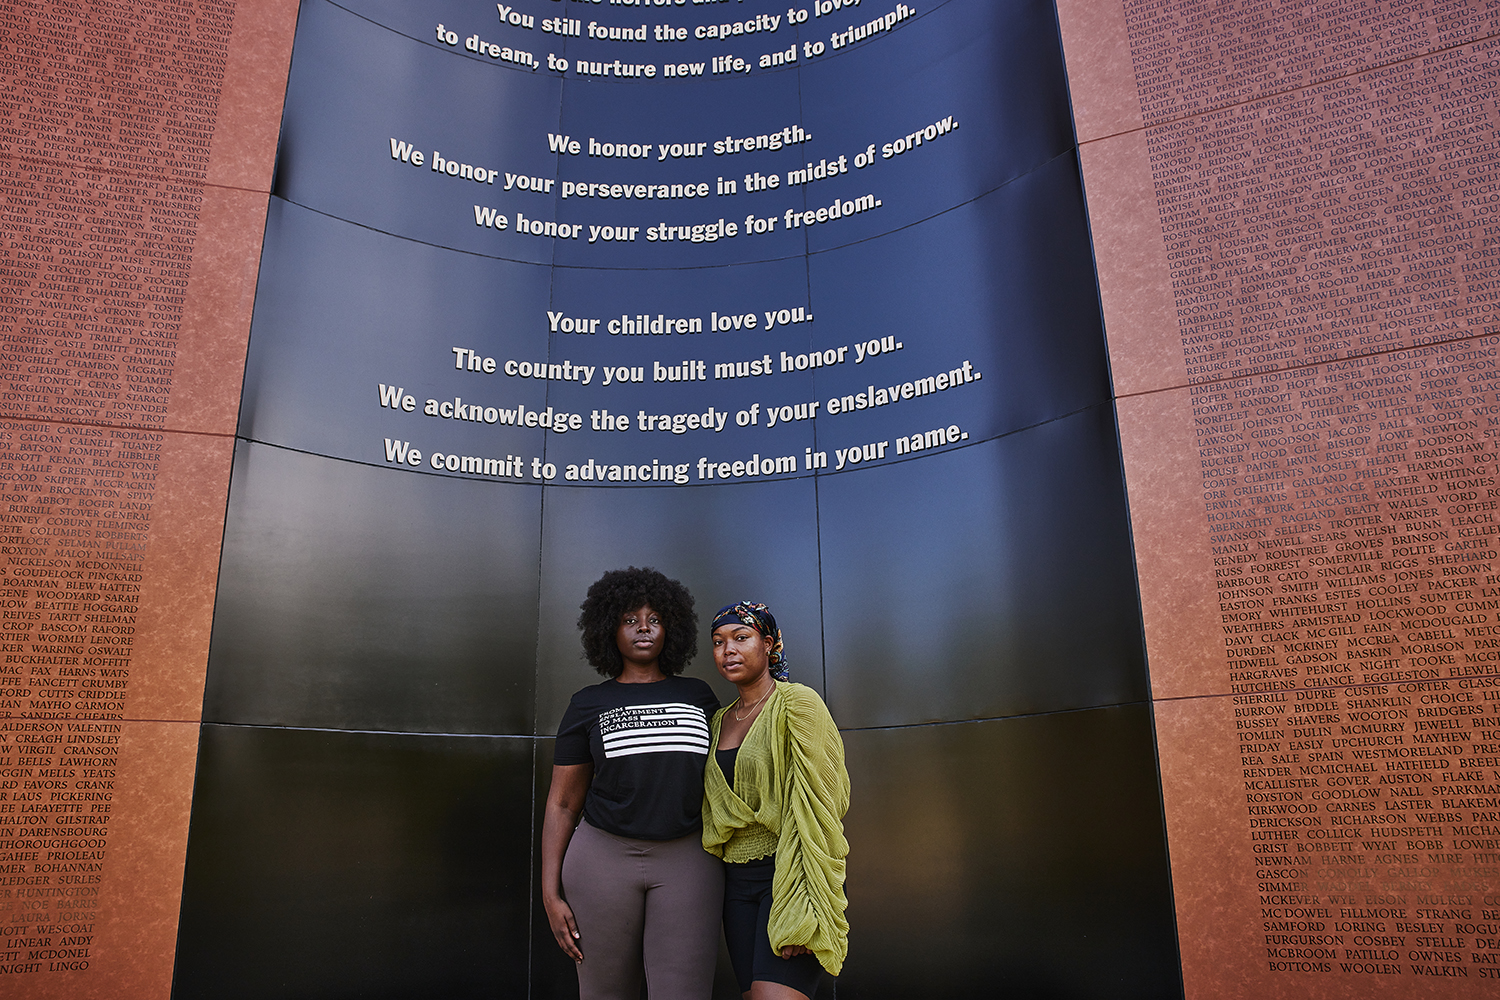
(758, 617)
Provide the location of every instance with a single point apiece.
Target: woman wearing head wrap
(774, 795)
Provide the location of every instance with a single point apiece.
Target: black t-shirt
(648, 744)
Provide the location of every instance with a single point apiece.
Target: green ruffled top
(789, 797)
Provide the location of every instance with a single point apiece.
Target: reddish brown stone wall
(1294, 215)
(1297, 223)
(136, 143)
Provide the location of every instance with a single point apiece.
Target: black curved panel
(355, 86)
(1015, 857)
(997, 291)
(356, 865)
(360, 598)
(994, 580)
(341, 310)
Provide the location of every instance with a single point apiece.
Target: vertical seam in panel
(531, 870)
(817, 500)
(536, 663)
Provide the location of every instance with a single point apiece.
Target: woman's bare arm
(570, 784)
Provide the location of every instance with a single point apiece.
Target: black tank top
(726, 760)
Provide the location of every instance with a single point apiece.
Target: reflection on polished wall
(1101, 394)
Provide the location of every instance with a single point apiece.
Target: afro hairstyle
(623, 590)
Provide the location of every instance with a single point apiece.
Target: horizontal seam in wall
(1304, 366)
(1200, 112)
(523, 736)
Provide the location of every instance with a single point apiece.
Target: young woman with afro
(630, 889)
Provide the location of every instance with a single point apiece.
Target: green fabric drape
(790, 794)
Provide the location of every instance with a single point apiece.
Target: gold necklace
(740, 718)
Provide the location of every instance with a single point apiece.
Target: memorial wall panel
(1041, 876)
(135, 160)
(368, 864)
(1003, 531)
(331, 614)
(1297, 249)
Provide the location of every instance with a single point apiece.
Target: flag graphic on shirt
(671, 727)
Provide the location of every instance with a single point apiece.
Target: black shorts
(747, 914)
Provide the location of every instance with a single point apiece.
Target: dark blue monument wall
(874, 395)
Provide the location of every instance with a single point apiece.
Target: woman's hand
(793, 950)
(564, 927)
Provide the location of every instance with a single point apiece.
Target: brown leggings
(652, 904)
